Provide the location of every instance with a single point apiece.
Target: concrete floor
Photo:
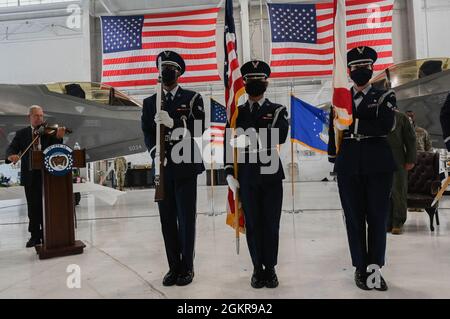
(125, 255)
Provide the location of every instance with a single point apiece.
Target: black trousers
(33, 194)
(178, 212)
(262, 210)
(366, 200)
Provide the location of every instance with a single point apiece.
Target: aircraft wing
(105, 122)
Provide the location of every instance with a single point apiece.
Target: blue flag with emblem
(309, 125)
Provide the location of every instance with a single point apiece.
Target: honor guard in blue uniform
(182, 110)
(364, 167)
(259, 180)
(445, 122)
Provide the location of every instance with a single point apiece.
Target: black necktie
(359, 95)
(169, 97)
(255, 108)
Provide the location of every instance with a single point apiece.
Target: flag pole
(211, 159)
(212, 184)
(292, 164)
(262, 29)
(236, 200)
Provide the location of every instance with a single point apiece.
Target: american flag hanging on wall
(302, 35)
(131, 44)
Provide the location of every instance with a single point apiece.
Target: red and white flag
(342, 99)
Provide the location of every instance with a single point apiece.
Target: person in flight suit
(183, 110)
(403, 145)
(260, 190)
(365, 167)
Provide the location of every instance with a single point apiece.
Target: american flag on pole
(234, 89)
(218, 123)
(131, 44)
(302, 35)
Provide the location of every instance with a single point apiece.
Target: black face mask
(361, 76)
(255, 88)
(169, 76)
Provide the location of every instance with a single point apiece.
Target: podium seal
(58, 159)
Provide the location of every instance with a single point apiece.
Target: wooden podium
(59, 209)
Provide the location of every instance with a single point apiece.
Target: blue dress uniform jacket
(365, 149)
(268, 116)
(185, 108)
(445, 122)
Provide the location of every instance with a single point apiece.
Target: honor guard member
(364, 167)
(261, 192)
(182, 110)
(445, 122)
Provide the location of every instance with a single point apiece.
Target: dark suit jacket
(20, 142)
(185, 109)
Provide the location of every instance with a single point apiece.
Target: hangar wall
(49, 45)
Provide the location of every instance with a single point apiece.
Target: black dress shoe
(170, 278)
(271, 278)
(361, 280)
(185, 278)
(383, 286)
(258, 280)
(33, 241)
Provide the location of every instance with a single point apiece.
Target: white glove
(162, 117)
(242, 141)
(233, 184)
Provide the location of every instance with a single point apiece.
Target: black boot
(383, 285)
(185, 278)
(170, 278)
(33, 241)
(257, 280)
(361, 279)
(271, 278)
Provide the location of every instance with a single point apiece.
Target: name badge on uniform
(372, 106)
(267, 117)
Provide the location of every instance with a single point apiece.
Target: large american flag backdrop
(302, 35)
(131, 44)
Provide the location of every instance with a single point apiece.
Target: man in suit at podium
(32, 179)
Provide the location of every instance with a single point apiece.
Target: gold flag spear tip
(441, 192)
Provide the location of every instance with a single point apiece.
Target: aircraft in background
(104, 121)
(421, 86)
